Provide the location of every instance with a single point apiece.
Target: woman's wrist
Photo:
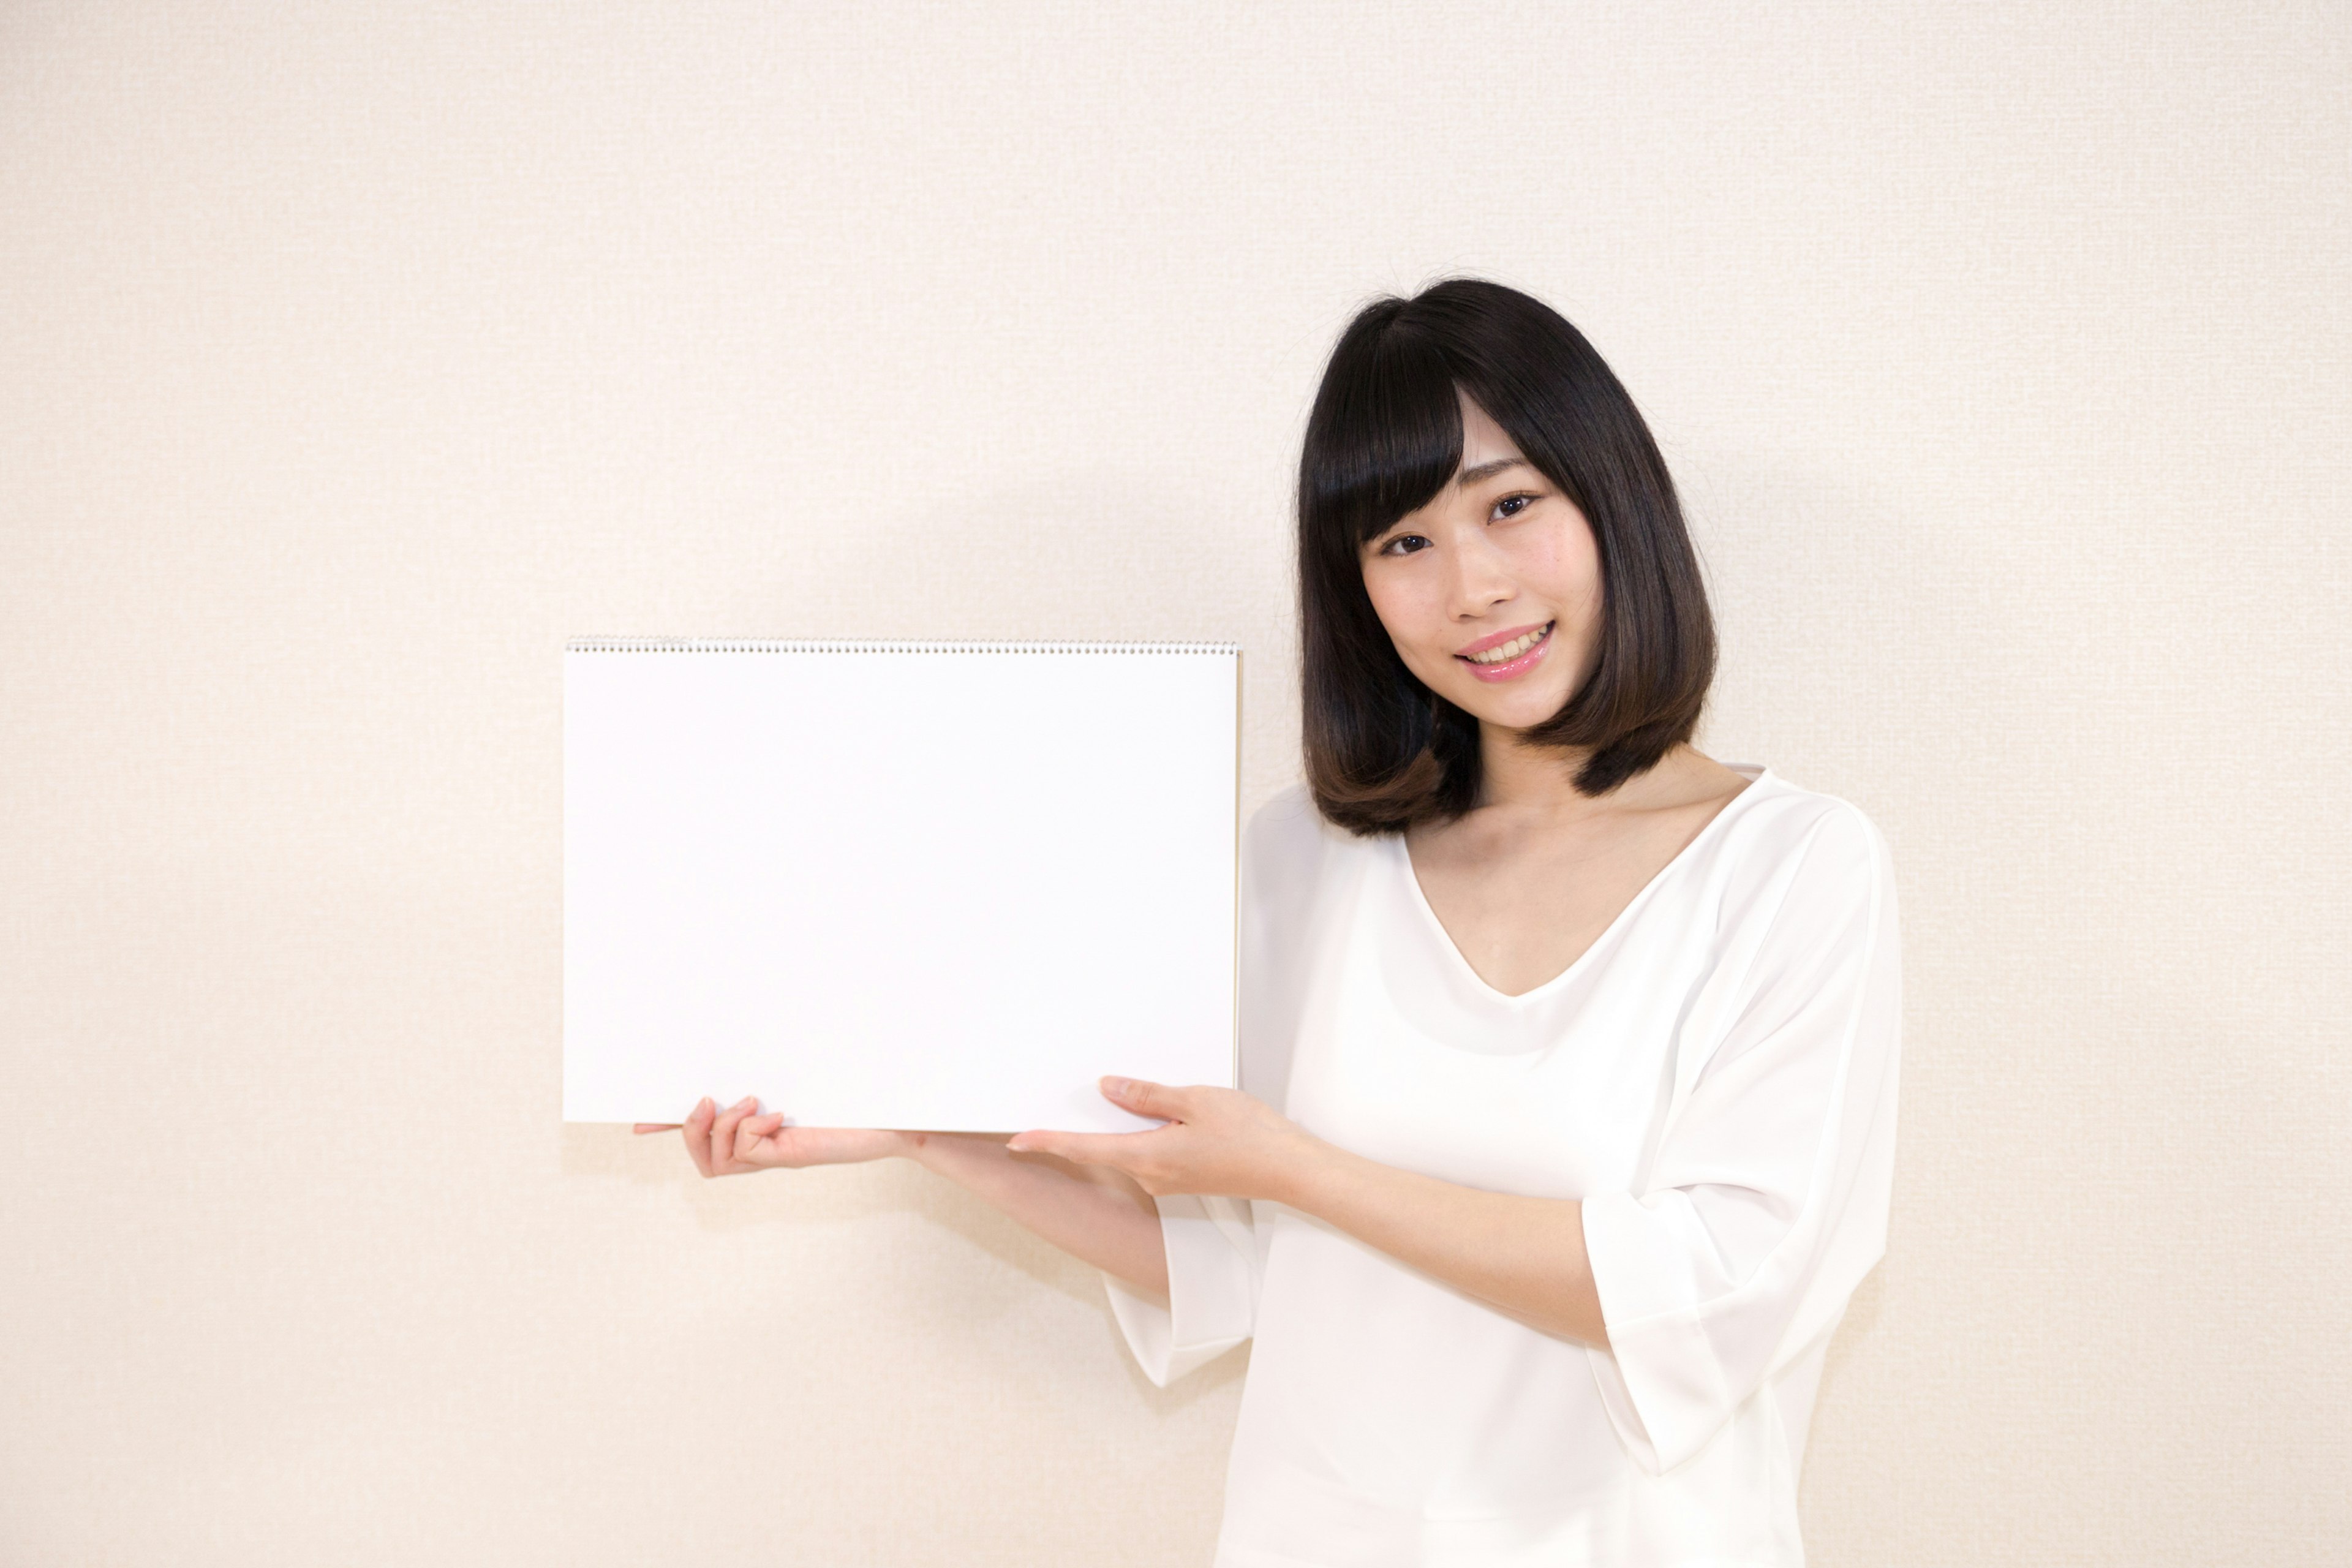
(1302, 1179)
(941, 1152)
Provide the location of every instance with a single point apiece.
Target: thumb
(1143, 1098)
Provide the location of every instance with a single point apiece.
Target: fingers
(729, 1141)
(722, 1136)
(1145, 1099)
(697, 1134)
(755, 1139)
(1085, 1148)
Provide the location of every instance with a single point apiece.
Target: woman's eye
(1398, 546)
(1517, 504)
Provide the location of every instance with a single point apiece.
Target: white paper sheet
(897, 885)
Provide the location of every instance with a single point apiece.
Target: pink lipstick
(1519, 663)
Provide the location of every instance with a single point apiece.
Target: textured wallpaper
(354, 356)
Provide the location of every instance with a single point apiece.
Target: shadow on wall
(869, 1195)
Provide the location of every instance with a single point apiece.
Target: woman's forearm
(1523, 1255)
(1092, 1211)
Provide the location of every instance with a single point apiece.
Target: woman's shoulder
(1290, 850)
(1781, 807)
(1290, 819)
(1786, 832)
(1287, 833)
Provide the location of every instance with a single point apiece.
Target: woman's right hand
(732, 1142)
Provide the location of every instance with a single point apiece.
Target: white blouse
(1715, 1077)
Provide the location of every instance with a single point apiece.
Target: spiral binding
(787, 645)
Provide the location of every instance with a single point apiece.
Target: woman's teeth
(1511, 649)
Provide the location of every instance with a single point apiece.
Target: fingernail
(1117, 1085)
(1016, 1145)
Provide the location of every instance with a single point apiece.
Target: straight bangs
(1389, 427)
(1384, 438)
(1384, 751)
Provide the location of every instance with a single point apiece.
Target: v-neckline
(1470, 972)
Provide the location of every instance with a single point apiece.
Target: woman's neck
(1536, 785)
(1518, 778)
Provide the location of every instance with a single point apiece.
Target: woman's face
(1492, 590)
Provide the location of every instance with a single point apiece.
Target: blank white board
(917, 885)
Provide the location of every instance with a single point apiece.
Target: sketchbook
(898, 884)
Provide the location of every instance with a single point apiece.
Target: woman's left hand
(1217, 1140)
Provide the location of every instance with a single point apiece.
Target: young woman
(1567, 1054)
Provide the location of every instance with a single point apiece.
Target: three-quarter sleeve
(1211, 1288)
(1765, 1198)
(1215, 1253)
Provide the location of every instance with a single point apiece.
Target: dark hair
(1384, 751)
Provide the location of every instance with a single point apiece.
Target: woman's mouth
(1512, 658)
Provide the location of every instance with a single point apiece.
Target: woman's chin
(1510, 709)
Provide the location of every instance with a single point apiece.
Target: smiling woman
(1445, 569)
(1464, 441)
(1584, 1044)
(1567, 1054)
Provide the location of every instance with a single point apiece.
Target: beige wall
(352, 357)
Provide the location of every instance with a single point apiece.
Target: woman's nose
(1481, 579)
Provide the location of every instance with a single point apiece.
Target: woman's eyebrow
(1469, 477)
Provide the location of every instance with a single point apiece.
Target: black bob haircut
(1384, 751)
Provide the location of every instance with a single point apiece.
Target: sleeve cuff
(1661, 1379)
(1211, 1288)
